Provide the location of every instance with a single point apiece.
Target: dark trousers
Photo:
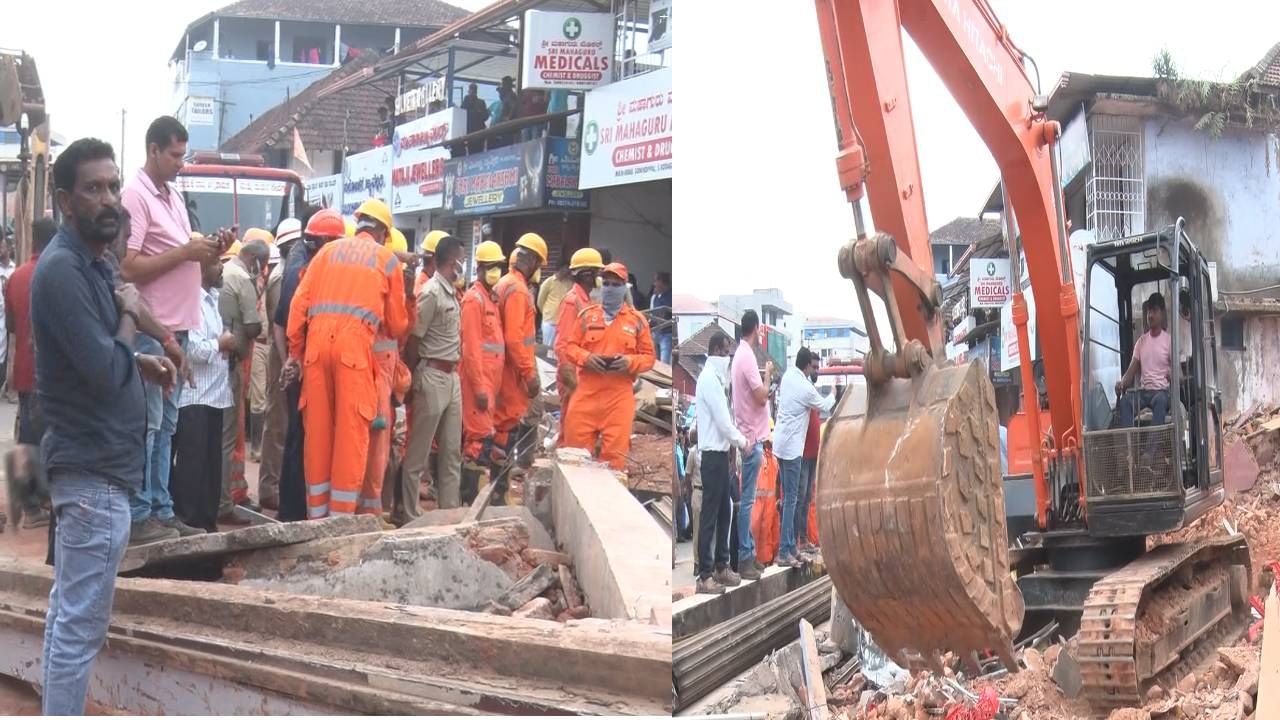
(293, 483)
(196, 481)
(804, 497)
(713, 519)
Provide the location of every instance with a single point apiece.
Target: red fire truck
(224, 189)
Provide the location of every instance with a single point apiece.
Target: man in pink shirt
(751, 415)
(163, 260)
(1151, 359)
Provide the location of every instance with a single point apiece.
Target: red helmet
(326, 223)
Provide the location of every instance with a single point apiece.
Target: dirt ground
(651, 463)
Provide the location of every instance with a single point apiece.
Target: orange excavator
(913, 509)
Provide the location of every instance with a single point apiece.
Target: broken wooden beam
(815, 691)
(480, 503)
(528, 587)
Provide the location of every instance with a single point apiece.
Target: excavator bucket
(911, 516)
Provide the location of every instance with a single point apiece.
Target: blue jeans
(663, 345)
(750, 471)
(162, 421)
(789, 472)
(808, 468)
(1131, 403)
(93, 530)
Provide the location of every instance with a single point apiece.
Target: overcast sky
(98, 58)
(756, 195)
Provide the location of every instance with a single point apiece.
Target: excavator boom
(910, 500)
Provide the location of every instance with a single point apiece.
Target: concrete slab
(432, 570)
(258, 536)
(539, 535)
(696, 613)
(621, 557)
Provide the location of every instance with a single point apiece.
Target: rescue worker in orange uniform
(585, 266)
(520, 380)
(611, 345)
(481, 365)
(352, 290)
(370, 219)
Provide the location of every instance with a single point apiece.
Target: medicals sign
(418, 158)
(573, 51)
(626, 135)
(364, 176)
(988, 282)
(324, 191)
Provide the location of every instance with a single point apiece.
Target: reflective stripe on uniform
(318, 511)
(492, 347)
(529, 341)
(391, 265)
(318, 489)
(385, 346)
(343, 309)
(371, 503)
(336, 513)
(344, 496)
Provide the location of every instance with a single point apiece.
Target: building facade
(836, 340)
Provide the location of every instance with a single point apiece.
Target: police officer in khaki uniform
(433, 352)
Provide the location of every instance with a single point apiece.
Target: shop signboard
(420, 96)
(200, 110)
(508, 178)
(659, 25)
(364, 176)
(627, 131)
(988, 282)
(563, 161)
(1010, 358)
(324, 191)
(568, 50)
(418, 159)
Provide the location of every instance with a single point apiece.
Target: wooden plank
(480, 503)
(1269, 675)
(815, 690)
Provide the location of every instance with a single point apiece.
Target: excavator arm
(909, 487)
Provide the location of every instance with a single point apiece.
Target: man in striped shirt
(196, 481)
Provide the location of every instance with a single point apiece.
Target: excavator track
(1160, 616)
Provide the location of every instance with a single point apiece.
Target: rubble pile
(545, 587)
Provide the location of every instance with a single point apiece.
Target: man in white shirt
(715, 432)
(196, 481)
(796, 397)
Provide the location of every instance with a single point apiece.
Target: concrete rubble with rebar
(562, 606)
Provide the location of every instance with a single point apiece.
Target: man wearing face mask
(432, 353)
(796, 397)
(352, 290)
(715, 433)
(520, 381)
(481, 365)
(428, 267)
(585, 266)
(321, 227)
(611, 345)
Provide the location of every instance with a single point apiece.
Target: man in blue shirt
(89, 385)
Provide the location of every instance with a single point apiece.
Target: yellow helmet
(376, 209)
(433, 239)
(489, 252)
(534, 242)
(586, 258)
(258, 234)
(232, 251)
(350, 226)
(396, 241)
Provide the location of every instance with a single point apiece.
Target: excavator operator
(352, 291)
(482, 357)
(520, 381)
(611, 345)
(585, 266)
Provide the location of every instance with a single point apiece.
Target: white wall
(687, 324)
(634, 223)
(1251, 377)
(1228, 189)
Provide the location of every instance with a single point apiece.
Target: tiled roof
(965, 231)
(402, 13)
(1267, 70)
(343, 120)
(690, 352)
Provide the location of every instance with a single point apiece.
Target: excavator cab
(1153, 453)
